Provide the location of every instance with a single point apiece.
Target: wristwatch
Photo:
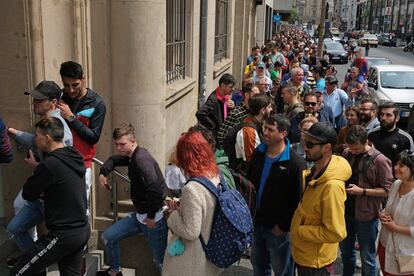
(72, 118)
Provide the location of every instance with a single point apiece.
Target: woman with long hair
(352, 118)
(397, 232)
(192, 216)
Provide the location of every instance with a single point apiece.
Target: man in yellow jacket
(318, 224)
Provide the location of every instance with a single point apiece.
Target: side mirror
(373, 85)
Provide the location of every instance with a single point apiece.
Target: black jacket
(60, 180)
(211, 113)
(148, 188)
(282, 192)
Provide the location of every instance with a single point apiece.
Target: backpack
(246, 189)
(232, 228)
(229, 144)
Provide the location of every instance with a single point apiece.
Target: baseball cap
(45, 90)
(317, 90)
(261, 64)
(322, 132)
(331, 79)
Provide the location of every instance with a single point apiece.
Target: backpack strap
(209, 185)
(370, 161)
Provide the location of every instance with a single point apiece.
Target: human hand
(172, 203)
(11, 131)
(150, 222)
(277, 231)
(30, 159)
(103, 180)
(64, 109)
(354, 190)
(230, 104)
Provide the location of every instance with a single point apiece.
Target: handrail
(118, 173)
(114, 187)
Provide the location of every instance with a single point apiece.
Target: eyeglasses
(310, 104)
(310, 145)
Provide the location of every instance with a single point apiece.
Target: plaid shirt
(234, 118)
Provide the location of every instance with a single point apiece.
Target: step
(92, 266)
(125, 271)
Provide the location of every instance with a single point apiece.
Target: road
(395, 54)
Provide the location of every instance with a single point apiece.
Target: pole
(321, 28)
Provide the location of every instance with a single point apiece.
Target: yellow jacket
(318, 224)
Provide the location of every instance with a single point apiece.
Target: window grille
(176, 40)
(222, 30)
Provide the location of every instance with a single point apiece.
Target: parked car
(370, 38)
(372, 61)
(336, 52)
(393, 83)
(387, 40)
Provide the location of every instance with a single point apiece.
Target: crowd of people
(327, 164)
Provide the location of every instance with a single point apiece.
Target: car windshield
(397, 80)
(334, 46)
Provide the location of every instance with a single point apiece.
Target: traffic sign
(277, 18)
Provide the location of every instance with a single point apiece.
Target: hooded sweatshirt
(318, 224)
(60, 180)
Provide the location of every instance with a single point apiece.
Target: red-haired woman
(194, 214)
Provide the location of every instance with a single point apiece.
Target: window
(176, 40)
(221, 38)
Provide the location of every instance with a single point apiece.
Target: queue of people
(327, 166)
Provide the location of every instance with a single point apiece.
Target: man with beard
(388, 138)
(368, 114)
(276, 175)
(311, 107)
(251, 133)
(318, 224)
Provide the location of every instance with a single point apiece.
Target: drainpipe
(203, 53)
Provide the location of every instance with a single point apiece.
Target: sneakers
(107, 272)
(12, 261)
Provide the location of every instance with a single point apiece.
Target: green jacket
(223, 163)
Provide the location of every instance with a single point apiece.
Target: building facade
(152, 61)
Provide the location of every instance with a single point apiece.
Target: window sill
(221, 66)
(179, 89)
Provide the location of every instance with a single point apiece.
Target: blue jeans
(130, 226)
(267, 245)
(29, 216)
(366, 232)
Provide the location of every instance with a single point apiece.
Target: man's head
(357, 139)
(297, 76)
(260, 106)
(310, 102)
(226, 84)
(260, 68)
(49, 131)
(289, 94)
(248, 90)
(319, 141)
(331, 83)
(389, 114)
(255, 51)
(275, 130)
(124, 139)
(354, 72)
(73, 79)
(263, 85)
(367, 110)
(318, 73)
(45, 97)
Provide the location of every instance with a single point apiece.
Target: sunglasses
(408, 152)
(310, 145)
(310, 104)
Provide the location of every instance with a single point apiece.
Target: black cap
(322, 132)
(331, 79)
(45, 90)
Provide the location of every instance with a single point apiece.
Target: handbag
(405, 263)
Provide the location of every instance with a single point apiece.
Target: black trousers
(61, 247)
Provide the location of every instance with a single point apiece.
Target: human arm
(332, 227)
(205, 115)
(92, 132)
(374, 192)
(388, 222)
(25, 139)
(37, 183)
(112, 162)
(6, 152)
(187, 221)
